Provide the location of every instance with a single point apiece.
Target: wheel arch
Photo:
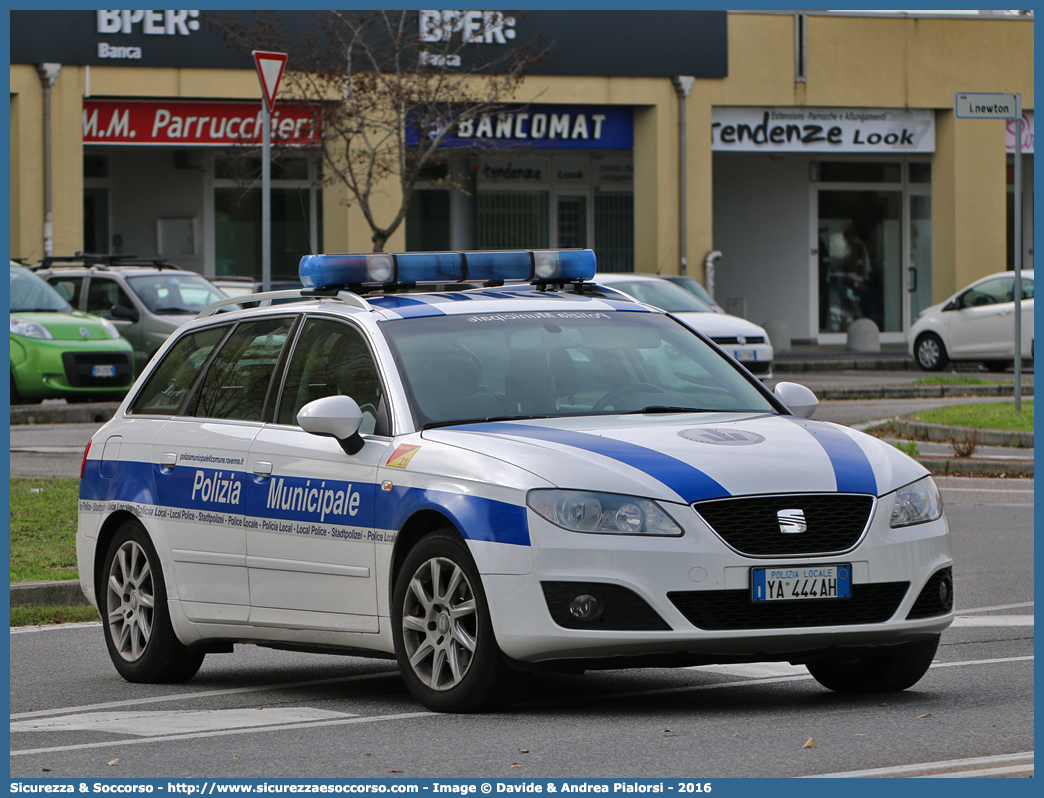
(416, 527)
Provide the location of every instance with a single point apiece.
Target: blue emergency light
(397, 268)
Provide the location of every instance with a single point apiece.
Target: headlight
(602, 513)
(30, 329)
(916, 503)
(110, 328)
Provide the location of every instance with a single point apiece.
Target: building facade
(818, 153)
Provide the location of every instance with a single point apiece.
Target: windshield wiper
(174, 310)
(436, 424)
(666, 409)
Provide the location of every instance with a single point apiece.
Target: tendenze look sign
(144, 122)
(859, 130)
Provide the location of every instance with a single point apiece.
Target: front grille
(623, 610)
(936, 598)
(834, 523)
(733, 609)
(78, 368)
(749, 339)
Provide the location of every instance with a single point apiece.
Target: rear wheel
(444, 637)
(930, 352)
(133, 599)
(895, 668)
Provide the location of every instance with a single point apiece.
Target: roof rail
(264, 299)
(103, 261)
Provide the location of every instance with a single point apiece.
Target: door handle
(168, 459)
(911, 283)
(262, 469)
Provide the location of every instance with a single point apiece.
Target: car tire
(132, 599)
(895, 669)
(17, 398)
(930, 352)
(998, 366)
(444, 638)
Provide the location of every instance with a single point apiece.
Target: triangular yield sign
(270, 70)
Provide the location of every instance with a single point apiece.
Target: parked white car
(744, 340)
(977, 323)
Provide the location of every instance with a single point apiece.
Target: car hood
(717, 324)
(69, 326)
(690, 457)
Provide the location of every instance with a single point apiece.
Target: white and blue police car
(538, 474)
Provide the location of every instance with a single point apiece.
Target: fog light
(944, 592)
(585, 607)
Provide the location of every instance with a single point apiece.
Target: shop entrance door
(860, 259)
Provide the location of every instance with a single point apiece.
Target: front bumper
(696, 595)
(47, 369)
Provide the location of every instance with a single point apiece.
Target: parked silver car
(147, 300)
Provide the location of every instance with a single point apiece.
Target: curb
(952, 466)
(96, 413)
(882, 364)
(65, 593)
(942, 433)
(921, 391)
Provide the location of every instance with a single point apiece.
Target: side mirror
(337, 417)
(798, 399)
(125, 313)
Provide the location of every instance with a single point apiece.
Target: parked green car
(59, 352)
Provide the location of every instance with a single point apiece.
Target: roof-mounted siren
(395, 269)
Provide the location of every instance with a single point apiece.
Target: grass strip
(43, 529)
(51, 615)
(1000, 415)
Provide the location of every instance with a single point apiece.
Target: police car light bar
(396, 268)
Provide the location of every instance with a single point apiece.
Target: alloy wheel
(130, 601)
(440, 623)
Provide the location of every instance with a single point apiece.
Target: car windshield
(693, 286)
(29, 293)
(512, 365)
(169, 294)
(663, 295)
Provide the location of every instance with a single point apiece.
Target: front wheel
(133, 603)
(930, 352)
(444, 639)
(895, 669)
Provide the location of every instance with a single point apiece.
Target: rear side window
(237, 381)
(173, 378)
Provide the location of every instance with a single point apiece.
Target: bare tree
(394, 85)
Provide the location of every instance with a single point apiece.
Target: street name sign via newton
(998, 105)
(987, 105)
(270, 68)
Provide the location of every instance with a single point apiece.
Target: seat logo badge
(791, 521)
(85, 332)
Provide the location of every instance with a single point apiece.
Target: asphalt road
(276, 714)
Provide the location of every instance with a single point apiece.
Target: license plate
(103, 371)
(746, 354)
(798, 582)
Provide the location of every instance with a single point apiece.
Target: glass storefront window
(511, 220)
(428, 221)
(237, 230)
(860, 259)
(859, 172)
(572, 221)
(614, 231)
(920, 172)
